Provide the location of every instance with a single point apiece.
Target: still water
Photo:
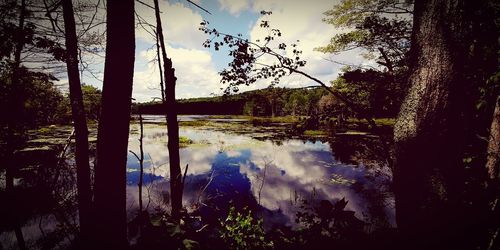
(230, 168)
(231, 163)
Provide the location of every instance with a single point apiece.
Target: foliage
(240, 231)
(246, 69)
(381, 26)
(326, 222)
(43, 102)
(377, 27)
(157, 231)
(92, 101)
(376, 92)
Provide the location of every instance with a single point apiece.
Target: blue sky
(197, 67)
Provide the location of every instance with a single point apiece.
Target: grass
(193, 123)
(385, 121)
(379, 121)
(276, 119)
(229, 117)
(45, 130)
(315, 133)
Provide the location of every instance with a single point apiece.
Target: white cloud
(194, 69)
(297, 20)
(235, 7)
(300, 20)
(180, 24)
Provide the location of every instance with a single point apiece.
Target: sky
(197, 68)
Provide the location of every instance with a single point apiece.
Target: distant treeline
(264, 102)
(297, 101)
(197, 106)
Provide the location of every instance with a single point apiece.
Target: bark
(428, 138)
(162, 86)
(113, 131)
(15, 129)
(493, 158)
(80, 123)
(172, 124)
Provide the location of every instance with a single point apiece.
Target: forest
(355, 124)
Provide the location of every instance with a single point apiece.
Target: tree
(42, 101)
(493, 161)
(15, 128)
(375, 91)
(246, 69)
(176, 185)
(377, 26)
(80, 124)
(435, 125)
(113, 130)
(92, 101)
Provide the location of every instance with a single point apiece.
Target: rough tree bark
(172, 124)
(113, 131)
(493, 158)
(429, 131)
(80, 123)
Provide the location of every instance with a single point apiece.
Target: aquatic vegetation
(315, 133)
(193, 123)
(184, 141)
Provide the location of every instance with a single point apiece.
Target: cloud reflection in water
(237, 164)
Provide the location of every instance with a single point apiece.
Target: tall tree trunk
(112, 140)
(172, 124)
(160, 70)
(429, 131)
(80, 123)
(493, 158)
(15, 130)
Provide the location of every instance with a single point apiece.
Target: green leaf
(190, 244)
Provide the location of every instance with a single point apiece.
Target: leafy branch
(245, 69)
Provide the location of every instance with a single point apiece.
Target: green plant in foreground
(240, 231)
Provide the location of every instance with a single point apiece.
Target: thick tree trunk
(493, 158)
(15, 128)
(172, 124)
(429, 130)
(80, 123)
(112, 140)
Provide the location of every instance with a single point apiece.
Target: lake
(233, 163)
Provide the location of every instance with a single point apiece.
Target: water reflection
(235, 169)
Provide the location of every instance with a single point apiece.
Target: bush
(240, 231)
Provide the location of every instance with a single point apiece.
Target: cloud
(235, 7)
(194, 69)
(180, 24)
(301, 21)
(297, 20)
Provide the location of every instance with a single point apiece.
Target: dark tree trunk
(112, 140)
(172, 124)
(80, 123)
(15, 130)
(429, 132)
